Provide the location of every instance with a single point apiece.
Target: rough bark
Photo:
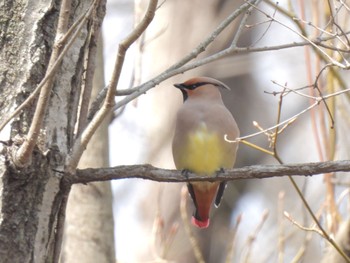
(31, 197)
(89, 235)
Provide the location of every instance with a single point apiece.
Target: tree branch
(183, 67)
(148, 172)
(89, 68)
(177, 67)
(67, 40)
(84, 138)
(23, 155)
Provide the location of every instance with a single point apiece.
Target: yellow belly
(203, 152)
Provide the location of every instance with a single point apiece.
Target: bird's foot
(185, 173)
(220, 171)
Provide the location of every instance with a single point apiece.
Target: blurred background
(249, 226)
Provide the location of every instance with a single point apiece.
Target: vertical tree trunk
(89, 235)
(31, 197)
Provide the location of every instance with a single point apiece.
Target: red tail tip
(200, 224)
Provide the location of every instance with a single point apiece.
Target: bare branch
(251, 239)
(82, 141)
(294, 222)
(317, 102)
(90, 57)
(194, 242)
(330, 59)
(61, 216)
(148, 172)
(242, 24)
(177, 68)
(181, 66)
(292, 15)
(70, 37)
(23, 154)
(224, 53)
(231, 245)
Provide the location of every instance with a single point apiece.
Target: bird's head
(200, 86)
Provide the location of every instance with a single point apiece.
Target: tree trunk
(31, 197)
(89, 227)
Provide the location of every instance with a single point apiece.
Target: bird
(199, 145)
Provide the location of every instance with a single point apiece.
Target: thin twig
(61, 216)
(221, 54)
(181, 66)
(170, 237)
(332, 213)
(317, 101)
(321, 93)
(23, 154)
(291, 15)
(298, 257)
(322, 230)
(108, 103)
(331, 60)
(313, 229)
(290, 90)
(178, 69)
(89, 68)
(256, 147)
(253, 236)
(299, 192)
(266, 30)
(76, 28)
(242, 24)
(301, 195)
(324, 233)
(95, 105)
(82, 141)
(232, 244)
(281, 230)
(311, 97)
(184, 215)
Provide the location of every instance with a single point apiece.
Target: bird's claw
(220, 171)
(185, 173)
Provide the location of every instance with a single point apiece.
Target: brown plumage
(199, 143)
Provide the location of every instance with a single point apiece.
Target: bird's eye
(198, 84)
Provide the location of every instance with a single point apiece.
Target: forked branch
(82, 141)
